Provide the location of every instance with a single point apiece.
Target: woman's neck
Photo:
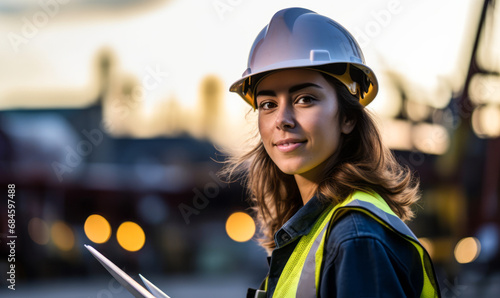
(307, 187)
(308, 182)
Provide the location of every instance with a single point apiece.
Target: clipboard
(125, 280)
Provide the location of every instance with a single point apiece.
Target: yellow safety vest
(301, 275)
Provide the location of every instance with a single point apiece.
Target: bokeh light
(39, 231)
(467, 250)
(97, 228)
(484, 89)
(396, 133)
(62, 236)
(430, 138)
(486, 121)
(417, 111)
(240, 227)
(130, 236)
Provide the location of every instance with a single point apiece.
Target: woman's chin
(306, 170)
(291, 170)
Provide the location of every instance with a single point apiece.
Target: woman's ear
(348, 125)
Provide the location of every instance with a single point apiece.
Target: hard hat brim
(239, 86)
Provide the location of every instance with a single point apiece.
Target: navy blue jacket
(362, 258)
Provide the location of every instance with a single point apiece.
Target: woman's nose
(285, 118)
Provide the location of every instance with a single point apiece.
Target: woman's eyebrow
(265, 92)
(291, 90)
(302, 86)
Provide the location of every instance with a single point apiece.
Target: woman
(329, 197)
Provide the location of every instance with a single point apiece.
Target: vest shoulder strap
(377, 208)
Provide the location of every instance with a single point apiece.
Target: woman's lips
(289, 145)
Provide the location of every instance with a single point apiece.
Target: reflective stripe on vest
(301, 275)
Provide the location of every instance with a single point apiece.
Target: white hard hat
(298, 37)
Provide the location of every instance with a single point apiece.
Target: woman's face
(299, 120)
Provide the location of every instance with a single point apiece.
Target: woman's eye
(305, 99)
(267, 105)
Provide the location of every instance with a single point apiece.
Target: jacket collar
(300, 223)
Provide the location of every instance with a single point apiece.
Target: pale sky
(425, 42)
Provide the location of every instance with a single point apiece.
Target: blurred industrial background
(115, 115)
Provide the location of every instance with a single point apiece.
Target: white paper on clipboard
(125, 280)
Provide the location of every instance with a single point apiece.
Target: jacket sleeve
(364, 259)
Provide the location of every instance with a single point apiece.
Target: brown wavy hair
(362, 162)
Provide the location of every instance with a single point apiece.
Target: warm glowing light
(130, 236)
(62, 236)
(240, 227)
(467, 250)
(397, 134)
(39, 231)
(417, 111)
(430, 138)
(388, 103)
(97, 229)
(486, 121)
(484, 89)
(428, 245)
